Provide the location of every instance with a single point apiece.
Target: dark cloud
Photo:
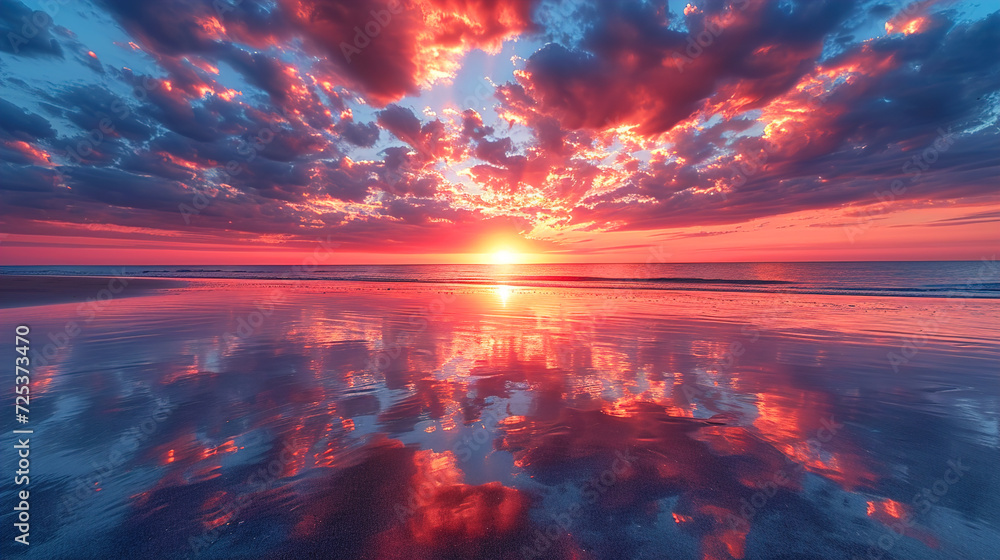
(27, 32)
(472, 125)
(401, 122)
(171, 29)
(94, 107)
(430, 139)
(119, 188)
(343, 180)
(20, 124)
(494, 151)
(388, 47)
(359, 134)
(909, 91)
(157, 164)
(630, 118)
(261, 70)
(633, 67)
(25, 179)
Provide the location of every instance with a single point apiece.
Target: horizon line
(497, 265)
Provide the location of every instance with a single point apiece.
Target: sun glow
(504, 256)
(504, 292)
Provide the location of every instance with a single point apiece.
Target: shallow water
(269, 419)
(965, 279)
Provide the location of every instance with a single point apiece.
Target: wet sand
(26, 291)
(282, 419)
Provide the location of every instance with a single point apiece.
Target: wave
(985, 287)
(861, 279)
(676, 280)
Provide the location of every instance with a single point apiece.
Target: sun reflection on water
(504, 292)
(419, 428)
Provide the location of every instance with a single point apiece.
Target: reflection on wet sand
(237, 419)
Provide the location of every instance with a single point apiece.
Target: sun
(504, 256)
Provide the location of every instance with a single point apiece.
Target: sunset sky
(231, 132)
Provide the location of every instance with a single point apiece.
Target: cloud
(27, 32)
(391, 49)
(359, 134)
(18, 123)
(632, 67)
(318, 116)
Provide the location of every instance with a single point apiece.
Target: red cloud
(389, 49)
(632, 69)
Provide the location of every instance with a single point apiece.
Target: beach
(26, 291)
(269, 418)
(500, 280)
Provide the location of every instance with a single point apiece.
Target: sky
(427, 131)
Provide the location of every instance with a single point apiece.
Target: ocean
(768, 411)
(969, 279)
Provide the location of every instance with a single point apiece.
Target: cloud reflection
(486, 427)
